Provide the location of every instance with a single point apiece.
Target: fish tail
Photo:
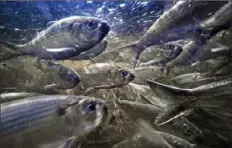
(8, 51)
(133, 52)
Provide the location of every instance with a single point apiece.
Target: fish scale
(42, 39)
(25, 114)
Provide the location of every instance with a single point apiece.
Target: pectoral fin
(50, 23)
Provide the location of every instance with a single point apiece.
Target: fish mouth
(131, 78)
(104, 42)
(104, 29)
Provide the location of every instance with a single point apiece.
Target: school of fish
(171, 88)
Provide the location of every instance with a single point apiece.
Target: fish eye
(123, 73)
(91, 25)
(91, 107)
(4, 64)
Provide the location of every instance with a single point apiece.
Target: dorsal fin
(50, 23)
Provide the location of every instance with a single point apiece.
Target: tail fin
(8, 51)
(131, 53)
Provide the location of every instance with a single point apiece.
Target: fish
(143, 73)
(214, 49)
(196, 79)
(176, 141)
(42, 120)
(195, 52)
(220, 17)
(138, 141)
(140, 94)
(218, 88)
(186, 78)
(3, 66)
(187, 127)
(202, 37)
(68, 77)
(147, 111)
(162, 25)
(54, 77)
(162, 116)
(174, 48)
(135, 141)
(224, 69)
(102, 76)
(104, 137)
(9, 74)
(158, 51)
(149, 133)
(92, 53)
(161, 138)
(63, 39)
(155, 72)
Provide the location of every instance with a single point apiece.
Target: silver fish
(64, 39)
(38, 121)
(154, 34)
(221, 87)
(192, 80)
(186, 78)
(102, 76)
(68, 77)
(207, 31)
(187, 127)
(165, 139)
(225, 69)
(54, 77)
(151, 135)
(143, 73)
(163, 114)
(147, 111)
(174, 48)
(214, 49)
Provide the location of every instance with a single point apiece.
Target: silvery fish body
(64, 39)
(43, 120)
(217, 88)
(210, 31)
(164, 25)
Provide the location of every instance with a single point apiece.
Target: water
(208, 123)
